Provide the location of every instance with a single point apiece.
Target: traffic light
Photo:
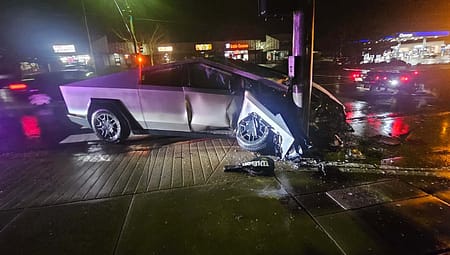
(276, 8)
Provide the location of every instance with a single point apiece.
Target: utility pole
(301, 61)
(91, 51)
(130, 26)
(133, 34)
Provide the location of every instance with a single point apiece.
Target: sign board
(165, 48)
(66, 48)
(236, 46)
(203, 47)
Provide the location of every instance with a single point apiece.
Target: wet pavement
(64, 192)
(175, 199)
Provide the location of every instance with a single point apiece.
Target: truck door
(162, 98)
(210, 102)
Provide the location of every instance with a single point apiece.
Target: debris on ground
(355, 154)
(388, 140)
(259, 166)
(391, 161)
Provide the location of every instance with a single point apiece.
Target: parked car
(202, 97)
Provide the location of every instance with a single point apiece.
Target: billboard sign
(64, 48)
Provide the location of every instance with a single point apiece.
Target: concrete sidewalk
(175, 199)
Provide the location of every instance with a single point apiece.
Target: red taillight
(404, 78)
(416, 72)
(18, 86)
(384, 78)
(356, 75)
(377, 78)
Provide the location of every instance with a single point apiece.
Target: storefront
(67, 55)
(237, 50)
(165, 54)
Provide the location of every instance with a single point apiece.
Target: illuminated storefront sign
(68, 48)
(403, 35)
(165, 49)
(424, 34)
(236, 46)
(203, 47)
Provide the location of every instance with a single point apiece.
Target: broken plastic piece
(260, 166)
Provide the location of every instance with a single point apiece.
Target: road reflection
(30, 126)
(28, 129)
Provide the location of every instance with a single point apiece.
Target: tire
(109, 125)
(253, 133)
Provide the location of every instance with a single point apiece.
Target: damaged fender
(277, 123)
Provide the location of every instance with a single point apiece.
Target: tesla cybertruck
(253, 104)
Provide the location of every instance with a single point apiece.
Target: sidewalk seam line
(12, 220)
(122, 228)
(313, 218)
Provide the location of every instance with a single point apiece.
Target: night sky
(31, 26)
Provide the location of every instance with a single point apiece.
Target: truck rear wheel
(109, 125)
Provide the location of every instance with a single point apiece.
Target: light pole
(91, 51)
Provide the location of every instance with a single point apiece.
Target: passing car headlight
(394, 82)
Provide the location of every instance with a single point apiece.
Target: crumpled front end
(281, 138)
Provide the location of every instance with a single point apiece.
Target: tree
(152, 39)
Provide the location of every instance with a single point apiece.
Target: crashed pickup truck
(254, 104)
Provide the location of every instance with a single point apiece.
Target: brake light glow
(384, 78)
(18, 86)
(356, 76)
(377, 78)
(404, 78)
(416, 72)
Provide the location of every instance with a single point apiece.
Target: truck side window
(172, 76)
(209, 78)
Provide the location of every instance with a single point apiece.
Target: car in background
(200, 97)
(407, 82)
(42, 88)
(396, 76)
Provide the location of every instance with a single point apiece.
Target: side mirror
(297, 95)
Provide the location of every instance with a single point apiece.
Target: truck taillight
(17, 86)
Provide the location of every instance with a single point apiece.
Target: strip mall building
(429, 47)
